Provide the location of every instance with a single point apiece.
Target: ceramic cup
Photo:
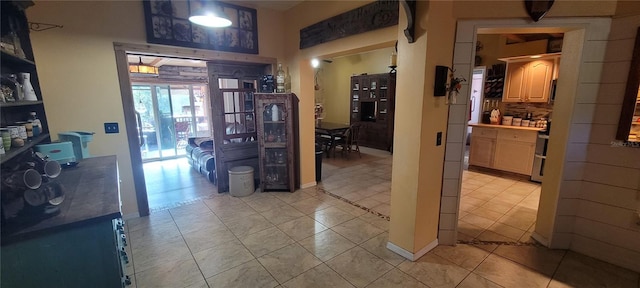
(24, 179)
(14, 132)
(6, 138)
(28, 127)
(22, 132)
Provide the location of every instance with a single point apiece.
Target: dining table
(330, 131)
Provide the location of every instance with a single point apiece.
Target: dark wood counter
(91, 196)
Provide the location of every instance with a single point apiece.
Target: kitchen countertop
(91, 195)
(506, 127)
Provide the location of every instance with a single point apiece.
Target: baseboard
(412, 256)
(310, 184)
(542, 240)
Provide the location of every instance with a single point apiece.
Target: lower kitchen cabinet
(505, 148)
(82, 245)
(482, 150)
(514, 156)
(91, 255)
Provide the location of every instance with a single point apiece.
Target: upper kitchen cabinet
(529, 79)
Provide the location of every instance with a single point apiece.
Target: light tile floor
(492, 208)
(310, 239)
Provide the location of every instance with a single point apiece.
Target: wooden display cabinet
(372, 105)
(277, 120)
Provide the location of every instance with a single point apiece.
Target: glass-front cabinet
(276, 118)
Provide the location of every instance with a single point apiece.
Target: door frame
(585, 34)
(122, 65)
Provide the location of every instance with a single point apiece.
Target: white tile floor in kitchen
(311, 239)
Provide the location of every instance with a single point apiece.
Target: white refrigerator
(475, 99)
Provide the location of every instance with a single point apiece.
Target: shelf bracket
(410, 9)
(37, 27)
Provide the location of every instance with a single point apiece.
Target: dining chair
(348, 140)
(182, 133)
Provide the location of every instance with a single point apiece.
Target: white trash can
(241, 181)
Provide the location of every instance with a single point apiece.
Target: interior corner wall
(419, 117)
(77, 70)
(335, 80)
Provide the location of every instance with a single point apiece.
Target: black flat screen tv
(368, 111)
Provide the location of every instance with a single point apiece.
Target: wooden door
(514, 90)
(539, 82)
(234, 133)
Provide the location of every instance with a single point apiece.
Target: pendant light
(143, 70)
(210, 15)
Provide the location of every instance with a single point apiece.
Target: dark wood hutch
(373, 106)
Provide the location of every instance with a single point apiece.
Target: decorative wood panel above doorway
(376, 15)
(167, 23)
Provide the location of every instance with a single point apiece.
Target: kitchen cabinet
(515, 151)
(84, 245)
(373, 105)
(506, 148)
(529, 80)
(277, 118)
(14, 19)
(483, 144)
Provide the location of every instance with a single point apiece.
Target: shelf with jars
(276, 115)
(20, 93)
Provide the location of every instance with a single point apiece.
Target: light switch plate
(110, 128)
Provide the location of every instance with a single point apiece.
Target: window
(239, 117)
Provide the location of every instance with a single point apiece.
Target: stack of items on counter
(29, 189)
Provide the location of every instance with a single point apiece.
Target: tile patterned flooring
(171, 183)
(311, 239)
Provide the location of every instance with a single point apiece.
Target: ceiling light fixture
(143, 70)
(210, 15)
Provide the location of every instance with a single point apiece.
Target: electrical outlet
(111, 127)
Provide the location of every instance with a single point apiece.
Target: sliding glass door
(168, 115)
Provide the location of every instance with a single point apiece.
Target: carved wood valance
(373, 16)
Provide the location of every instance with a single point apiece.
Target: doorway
(168, 115)
(556, 173)
(170, 106)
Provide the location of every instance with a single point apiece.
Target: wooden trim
(630, 93)
(162, 50)
(131, 129)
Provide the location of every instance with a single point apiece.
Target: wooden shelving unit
(12, 112)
